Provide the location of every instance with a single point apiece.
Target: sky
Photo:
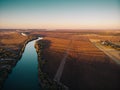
(60, 14)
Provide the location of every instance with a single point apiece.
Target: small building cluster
(109, 43)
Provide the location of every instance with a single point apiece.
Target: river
(24, 75)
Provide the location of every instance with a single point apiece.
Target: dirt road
(61, 67)
(112, 53)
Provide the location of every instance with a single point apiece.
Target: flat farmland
(12, 38)
(11, 43)
(88, 67)
(53, 54)
(85, 66)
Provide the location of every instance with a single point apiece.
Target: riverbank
(9, 59)
(45, 81)
(24, 75)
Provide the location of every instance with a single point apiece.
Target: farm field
(108, 50)
(11, 41)
(85, 66)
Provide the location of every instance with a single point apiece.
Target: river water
(24, 75)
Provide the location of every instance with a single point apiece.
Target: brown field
(11, 39)
(11, 42)
(86, 66)
(55, 51)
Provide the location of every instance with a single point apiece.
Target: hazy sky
(52, 14)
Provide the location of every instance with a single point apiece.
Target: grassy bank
(45, 81)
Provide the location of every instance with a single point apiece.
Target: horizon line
(56, 29)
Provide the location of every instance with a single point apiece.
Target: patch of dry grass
(14, 38)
